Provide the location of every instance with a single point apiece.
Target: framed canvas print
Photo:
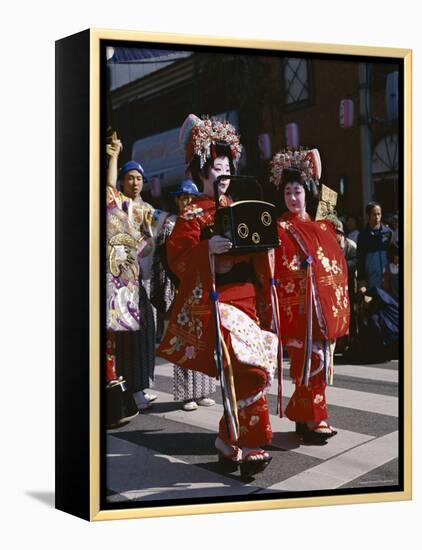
(233, 276)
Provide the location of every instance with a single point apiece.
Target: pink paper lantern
(347, 113)
(292, 134)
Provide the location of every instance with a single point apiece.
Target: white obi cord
(251, 345)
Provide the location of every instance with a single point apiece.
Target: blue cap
(131, 165)
(187, 187)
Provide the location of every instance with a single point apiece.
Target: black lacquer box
(250, 225)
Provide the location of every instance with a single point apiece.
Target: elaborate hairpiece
(305, 161)
(198, 136)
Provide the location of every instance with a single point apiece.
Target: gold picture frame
(79, 477)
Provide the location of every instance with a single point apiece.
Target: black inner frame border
(104, 43)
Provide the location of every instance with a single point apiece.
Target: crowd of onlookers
(371, 250)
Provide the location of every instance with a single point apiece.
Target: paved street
(167, 453)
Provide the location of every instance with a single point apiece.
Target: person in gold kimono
(134, 229)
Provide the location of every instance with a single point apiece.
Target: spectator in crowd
(391, 274)
(191, 387)
(349, 249)
(394, 224)
(378, 325)
(130, 316)
(372, 246)
(352, 228)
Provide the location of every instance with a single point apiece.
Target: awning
(141, 55)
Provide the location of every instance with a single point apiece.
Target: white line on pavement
(352, 399)
(343, 469)
(136, 473)
(367, 373)
(349, 371)
(284, 437)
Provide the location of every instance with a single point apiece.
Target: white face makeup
(221, 167)
(294, 197)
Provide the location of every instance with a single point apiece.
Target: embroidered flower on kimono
(113, 221)
(268, 339)
(190, 352)
(345, 302)
(239, 320)
(318, 399)
(289, 288)
(191, 212)
(326, 264)
(182, 318)
(302, 285)
(320, 253)
(335, 311)
(289, 313)
(295, 263)
(197, 292)
(254, 420)
(176, 343)
(335, 268)
(323, 227)
(224, 313)
(338, 294)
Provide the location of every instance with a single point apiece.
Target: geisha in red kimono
(311, 278)
(221, 312)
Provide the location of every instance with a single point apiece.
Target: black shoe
(313, 437)
(249, 468)
(120, 404)
(227, 465)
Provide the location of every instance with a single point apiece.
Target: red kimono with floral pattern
(245, 316)
(311, 276)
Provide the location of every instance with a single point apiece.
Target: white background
(28, 32)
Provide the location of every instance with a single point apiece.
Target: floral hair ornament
(305, 161)
(200, 135)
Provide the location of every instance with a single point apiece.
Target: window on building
(296, 80)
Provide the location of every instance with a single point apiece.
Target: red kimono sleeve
(190, 337)
(184, 247)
